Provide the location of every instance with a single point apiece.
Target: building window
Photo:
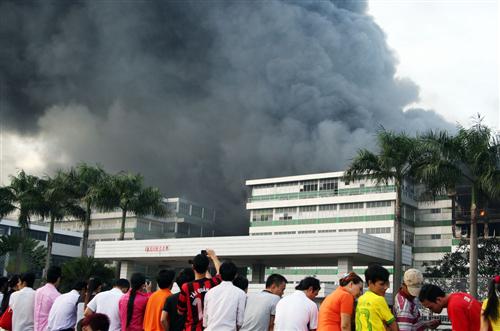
(285, 232)
(309, 186)
(307, 231)
(327, 207)
(196, 211)
(38, 235)
(378, 230)
(329, 184)
(378, 204)
(67, 240)
(435, 236)
(307, 209)
(262, 215)
(353, 205)
(326, 231)
(183, 208)
(435, 210)
(351, 230)
(261, 234)
(285, 213)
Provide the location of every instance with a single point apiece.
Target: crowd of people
(220, 302)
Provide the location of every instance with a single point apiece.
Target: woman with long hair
(336, 311)
(12, 286)
(132, 305)
(490, 313)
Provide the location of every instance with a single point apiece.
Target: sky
(450, 49)
(201, 96)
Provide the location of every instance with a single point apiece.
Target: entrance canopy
(322, 249)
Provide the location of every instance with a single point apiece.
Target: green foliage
(84, 268)
(33, 253)
(456, 264)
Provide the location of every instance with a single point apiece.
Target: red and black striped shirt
(191, 300)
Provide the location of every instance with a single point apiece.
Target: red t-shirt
(191, 299)
(464, 312)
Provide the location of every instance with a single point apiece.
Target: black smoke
(200, 95)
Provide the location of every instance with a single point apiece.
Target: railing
(323, 194)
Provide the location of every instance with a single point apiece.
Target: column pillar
(126, 269)
(344, 265)
(258, 273)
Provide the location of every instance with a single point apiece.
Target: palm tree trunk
(19, 252)
(398, 242)
(122, 236)
(86, 226)
(50, 239)
(473, 244)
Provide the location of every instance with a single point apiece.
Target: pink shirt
(44, 298)
(140, 302)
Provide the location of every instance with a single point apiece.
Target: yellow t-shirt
(372, 313)
(495, 325)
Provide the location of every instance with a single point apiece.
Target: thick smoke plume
(200, 95)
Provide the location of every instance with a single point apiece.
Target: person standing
(372, 311)
(261, 307)
(405, 308)
(224, 305)
(62, 315)
(22, 303)
(336, 311)
(463, 310)
(132, 305)
(490, 313)
(192, 295)
(107, 303)
(298, 311)
(45, 297)
(156, 301)
(170, 318)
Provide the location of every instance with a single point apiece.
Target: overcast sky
(450, 49)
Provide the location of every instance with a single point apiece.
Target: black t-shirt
(176, 321)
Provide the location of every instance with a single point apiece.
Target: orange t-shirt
(153, 310)
(338, 302)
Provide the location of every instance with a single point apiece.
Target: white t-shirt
(107, 303)
(22, 303)
(62, 315)
(296, 312)
(224, 307)
(258, 311)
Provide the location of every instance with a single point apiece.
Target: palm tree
(392, 163)
(471, 157)
(23, 196)
(86, 182)
(33, 253)
(59, 200)
(126, 191)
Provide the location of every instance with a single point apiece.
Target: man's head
(96, 322)
(241, 283)
(80, 286)
(122, 284)
(186, 275)
(165, 278)
(433, 298)
(228, 271)
(412, 282)
(200, 263)
(377, 278)
(27, 279)
(310, 286)
(54, 275)
(276, 284)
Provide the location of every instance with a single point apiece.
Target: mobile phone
(204, 252)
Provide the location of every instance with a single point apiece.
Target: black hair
(375, 273)
(491, 310)
(228, 271)
(241, 282)
(28, 278)
(11, 284)
(79, 285)
(430, 292)
(350, 277)
(136, 281)
(186, 275)
(200, 263)
(165, 278)
(275, 279)
(122, 283)
(94, 284)
(53, 274)
(97, 322)
(308, 282)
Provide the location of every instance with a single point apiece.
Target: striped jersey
(407, 314)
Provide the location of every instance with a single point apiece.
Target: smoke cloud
(200, 96)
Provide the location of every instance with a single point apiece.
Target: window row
(359, 230)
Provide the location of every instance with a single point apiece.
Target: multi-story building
(324, 202)
(185, 219)
(66, 244)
